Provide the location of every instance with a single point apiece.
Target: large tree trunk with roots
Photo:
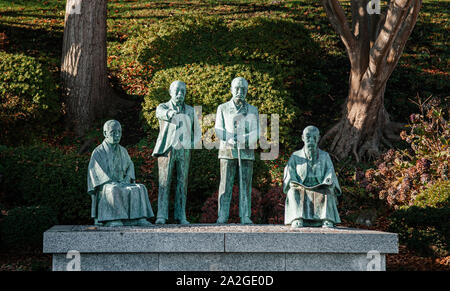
(374, 45)
(88, 94)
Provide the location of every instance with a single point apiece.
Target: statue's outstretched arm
(164, 113)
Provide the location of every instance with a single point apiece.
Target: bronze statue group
(310, 182)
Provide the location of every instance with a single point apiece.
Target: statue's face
(178, 93)
(113, 134)
(239, 90)
(311, 139)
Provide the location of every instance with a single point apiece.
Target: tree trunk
(365, 122)
(374, 45)
(83, 66)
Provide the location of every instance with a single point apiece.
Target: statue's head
(239, 87)
(112, 131)
(177, 92)
(311, 137)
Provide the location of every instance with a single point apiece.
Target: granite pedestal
(210, 247)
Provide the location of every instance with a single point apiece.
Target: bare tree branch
(399, 43)
(380, 24)
(339, 22)
(360, 27)
(359, 18)
(374, 46)
(395, 17)
(330, 132)
(376, 32)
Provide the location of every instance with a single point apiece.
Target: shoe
(327, 224)
(182, 221)
(221, 220)
(97, 223)
(246, 220)
(143, 222)
(114, 223)
(297, 223)
(160, 221)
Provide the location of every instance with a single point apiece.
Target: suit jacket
(244, 123)
(186, 118)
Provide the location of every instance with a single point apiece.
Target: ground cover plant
(296, 66)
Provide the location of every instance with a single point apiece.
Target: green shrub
(425, 230)
(39, 175)
(425, 226)
(402, 174)
(414, 182)
(28, 97)
(273, 41)
(214, 89)
(436, 195)
(24, 226)
(277, 57)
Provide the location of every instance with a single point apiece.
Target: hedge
(23, 227)
(424, 226)
(40, 175)
(28, 97)
(277, 57)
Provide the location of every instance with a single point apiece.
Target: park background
(296, 66)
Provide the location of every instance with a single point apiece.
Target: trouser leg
(245, 190)
(165, 166)
(227, 173)
(182, 166)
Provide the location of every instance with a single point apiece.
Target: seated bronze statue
(311, 185)
(116, 199)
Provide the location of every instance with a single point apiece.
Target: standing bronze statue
(237, 128)
(311, 185)
(179, 131)
(116, 199)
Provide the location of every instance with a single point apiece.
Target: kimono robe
(110, 184)
(307, 201)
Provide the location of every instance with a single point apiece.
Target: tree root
(330, 132)
(361, 145)
(386, 142)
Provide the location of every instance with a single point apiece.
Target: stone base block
(217, 248)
